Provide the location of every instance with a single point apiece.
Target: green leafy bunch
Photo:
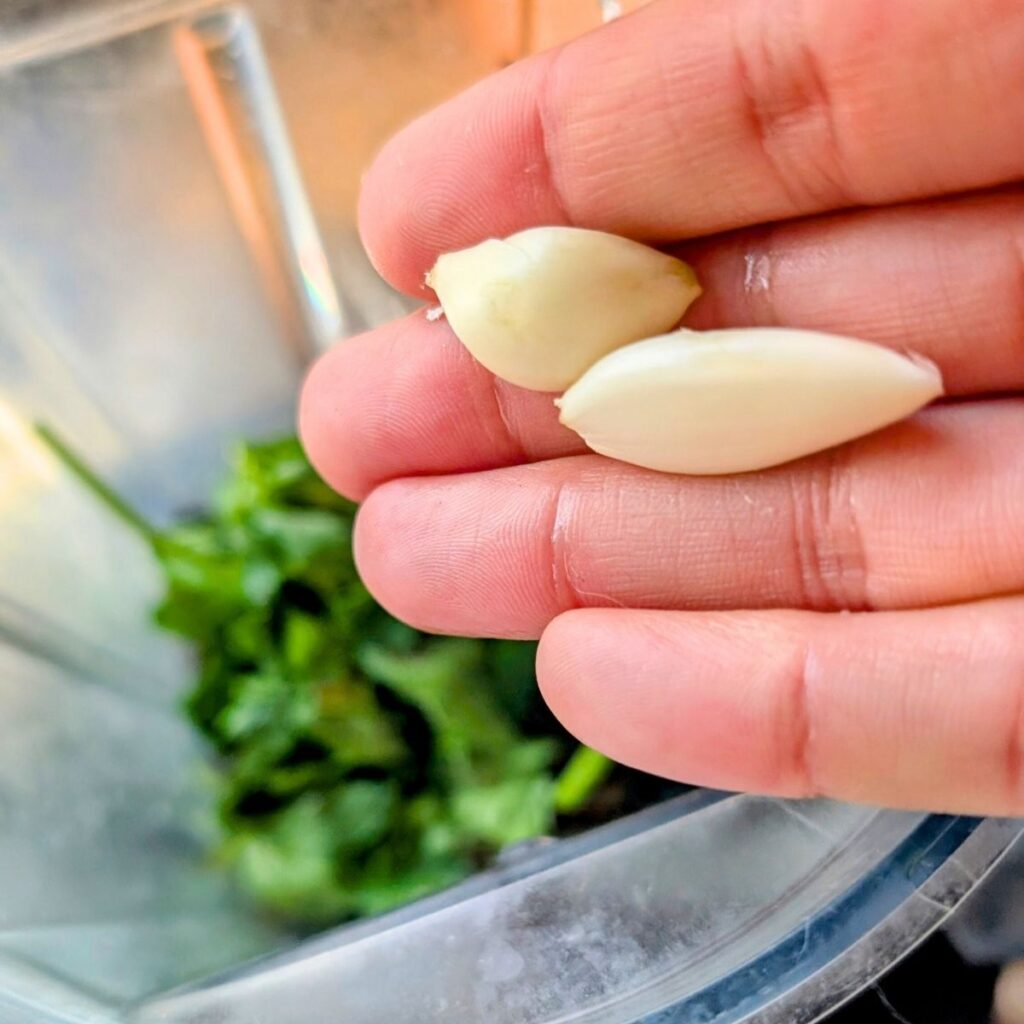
(359, 764)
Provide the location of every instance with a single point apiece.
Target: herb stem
(580, 778)
(77, 466)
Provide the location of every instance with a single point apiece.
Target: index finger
(696, 116)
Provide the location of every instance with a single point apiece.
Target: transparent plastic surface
(177, 239)
(611, 935)
(989, 928)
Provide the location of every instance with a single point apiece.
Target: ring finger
(925, 513)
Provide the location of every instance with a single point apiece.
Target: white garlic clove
(540, 307)
(732, 401)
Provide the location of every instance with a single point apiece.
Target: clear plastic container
(176, 241)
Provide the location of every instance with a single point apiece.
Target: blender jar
(177, 241)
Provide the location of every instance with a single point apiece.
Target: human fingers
(692, 117)
(945, 279)
(915, 709)
(927, 512)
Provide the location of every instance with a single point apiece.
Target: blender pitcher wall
(105, 886)
(162, 281)
(162, 284)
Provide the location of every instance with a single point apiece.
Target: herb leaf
(358, 764)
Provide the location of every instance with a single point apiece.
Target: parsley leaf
(358, 764)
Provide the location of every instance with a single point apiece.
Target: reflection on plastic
(227, 78)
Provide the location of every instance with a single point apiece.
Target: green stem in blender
(77, 466)
(583, 774)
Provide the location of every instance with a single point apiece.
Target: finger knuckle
(798, 770)
(831, 565)
(790, 106)
(1014, 741)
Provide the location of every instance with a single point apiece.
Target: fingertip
(384, 532)
(579, 654)
(408, 552)
(652, 690)
(388, 226)
(566, 646)
(559, 666)
(472, 169)
(427, 556)
(393, 402)
(324, 423)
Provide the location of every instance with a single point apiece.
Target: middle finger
(943, 278)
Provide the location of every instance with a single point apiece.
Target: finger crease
(1017, 255)
(1015, 752)
(514, 443)
(808, 565)
(762, 123)
(544, 134)
(828, 545)
(841, 522)
(822, 106)
(565, 594)
(791, 112)
(799, 725)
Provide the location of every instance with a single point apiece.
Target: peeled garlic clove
(541, 306)
(737, 400)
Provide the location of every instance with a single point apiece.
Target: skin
(845, 625)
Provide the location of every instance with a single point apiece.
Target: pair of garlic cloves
(567, 309)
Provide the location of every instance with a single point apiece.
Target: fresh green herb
(359, 764)
(580, 778)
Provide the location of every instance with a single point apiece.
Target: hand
(698, 628)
